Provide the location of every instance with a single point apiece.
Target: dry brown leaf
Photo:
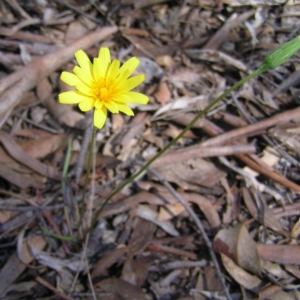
(170, 211)
(109, 258)
(185, 75)
(21, 156)
(275, 270)
(166, 61)
(269, 218)
(40, 148)
(294, 270)
(237, 244)
(250, 282)
(146, 213)
(20, 176)
(13, 268)
(195, 170)
(253, 2)
(154, 139)
(163, 94)
(277, 295)
(5, 215)
(76, 30)
(120, 288)
(140, 268)
(206, 206)
(31, 133)
(217, 57)
(141, 236)
(182, 104)
(295, 233)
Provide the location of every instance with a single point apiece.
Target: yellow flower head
(103, 85)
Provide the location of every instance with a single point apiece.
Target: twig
(52, 288)
(198, 151)
(271, 174)
(253, 129)
(79, 11)
(220, 137)
(252, 120)
(222, 34)
(200, 227)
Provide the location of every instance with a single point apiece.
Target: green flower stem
(262, 69)
(63, 183)
(88, 171)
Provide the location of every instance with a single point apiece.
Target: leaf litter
(237, 169)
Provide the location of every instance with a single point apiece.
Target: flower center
(103, 93)
(102, 90)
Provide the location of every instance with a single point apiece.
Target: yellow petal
(84, 62)
(71, 97)
(113, 70)
(131, 83)
(69, 78)
(112, 107)
(97, 69)
(104, 61)
(100, 116)
(137, 98)
(121, 78)
(125, 109)
(130, 65)
(123, 98)
(84, 89)
(86, 104)
(83, 76)
(98, 104)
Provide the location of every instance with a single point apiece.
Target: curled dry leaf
(13, 267)
(248, 281)
(275, 293)
(185, 104)
(141, 236)
(194, 170)
(40, 148)
(20, 176)
(237, 244)
(216, 56)
(295, 233)
(145, 212)
(119, 289)
(109, 258)
(21, 156)
(163, 94)
(170, 211)
(206, 206)
(268, 217)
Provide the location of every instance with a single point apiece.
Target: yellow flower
(103, 85)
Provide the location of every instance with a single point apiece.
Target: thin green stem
(88, 171)
(63, 183)
(185, 130)
(66, 164)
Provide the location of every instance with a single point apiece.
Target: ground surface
(216, 217)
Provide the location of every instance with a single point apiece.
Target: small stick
(200, 227)
(52, 288)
